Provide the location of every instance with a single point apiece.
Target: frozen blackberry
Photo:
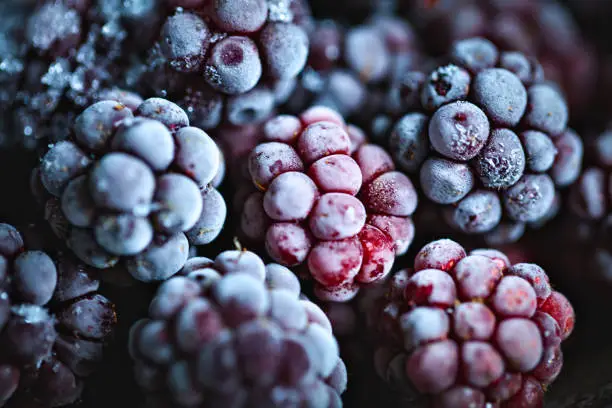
(227, 61)
(590, 195)
(67, 53)
(590, 217)
(53, 325)
(543, 29)
(473, 329)
(235, 332)
(336, 209)
(490, 144)
(134, 186)
(361, 70)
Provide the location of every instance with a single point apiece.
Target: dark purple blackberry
(544, 29)
(472, 329)
(590, 202)
(69, 52)
(236, 332)
(225, 61)
(361, 70)
(134, 186)
(53, 325)
(490, 144)
(327, 202)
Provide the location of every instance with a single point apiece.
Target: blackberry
(134, 186)
(66, 54)
(361, 71)
(473, 328)
(226, 61)
(543, 29)
(590, 216)
(490, 142)
(236, 332)
(53, 324)
(337, 209)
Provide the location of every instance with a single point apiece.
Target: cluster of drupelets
(326, 150)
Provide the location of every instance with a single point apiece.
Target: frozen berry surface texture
(236, 332)
(363, 71)
(587, 223)
(133, 185)
(230, 61)
(489, 141)
(546, 30)
(53, 325)
(60, 56)
(473, 329)
(330, 206)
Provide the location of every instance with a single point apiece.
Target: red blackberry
(229, 61)
(490, 142)
(235, 332)
(134, 186)
(339, 211)
(53, 325)
(473, 328)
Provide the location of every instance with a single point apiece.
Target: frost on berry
(53, 323)
(336, 173)
(136, 184)
(471, 330)
(329, 204)
(477, 277)
(423, 325)
(322, 139)
(485, 131)
(288, 243)
(333, 263)
(242, 336)
(442, 255)
(431, 286)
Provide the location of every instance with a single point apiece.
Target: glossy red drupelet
(53, 325)
(332, 205)
(235, 332)
(473, 328)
